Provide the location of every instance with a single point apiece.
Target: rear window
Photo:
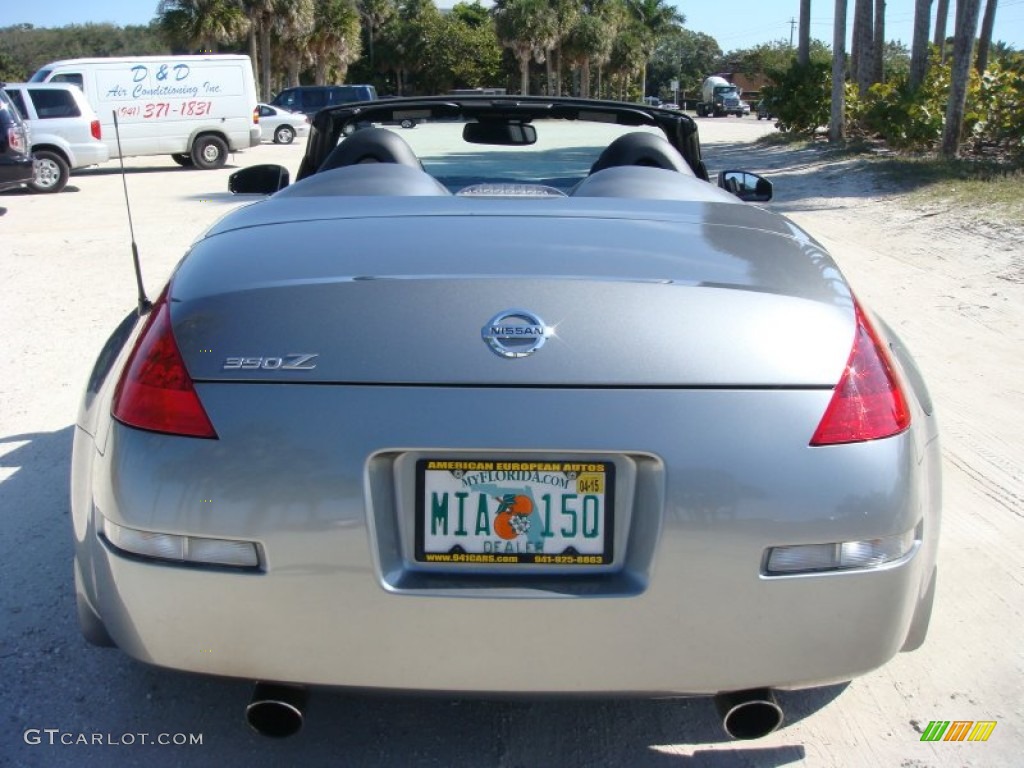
(40, 76)
(53, 103)
(19, 103)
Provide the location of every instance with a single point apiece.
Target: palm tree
(803, 55)
(941, 16)
(200, 24)
(878, 49)
(528, 29)
(566, 14)
(334, 42)
(863, 43)
(261, 15)
(293, 24)
(919, 49)
(966, 24)
(837, 121)
(988, 21)
(375, 14)
(589, 42)
(654, 19)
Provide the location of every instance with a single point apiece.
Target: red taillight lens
(155, 391)
(867, 403)
(256, 116)
(97, 132)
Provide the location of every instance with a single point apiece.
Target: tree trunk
(803, 55)
(524, 73)
(966, 24)
(837, 121)
(941, 17)
(549, 86)
(919, 49)
(265, 57)
(558, 69)
(878, 51)
(253, 57)
(985, 39)
(585, 79)
(643, 82)
(864, 34)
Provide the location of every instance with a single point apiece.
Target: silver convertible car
(523, 414)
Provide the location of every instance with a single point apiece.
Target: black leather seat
(371, 145)
(644, 149)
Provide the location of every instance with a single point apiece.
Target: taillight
(255, 115)
(867, 403)
(97, 132)
(16, 140)
(155, 391)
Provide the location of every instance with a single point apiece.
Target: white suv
(64, 131)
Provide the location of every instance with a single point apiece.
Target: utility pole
(792, 26)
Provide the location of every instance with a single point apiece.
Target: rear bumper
(255, 136)
(334, 605)
(15, 172)
(90, 154)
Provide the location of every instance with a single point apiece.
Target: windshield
(561, 157)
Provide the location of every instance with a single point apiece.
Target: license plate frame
(514, 512)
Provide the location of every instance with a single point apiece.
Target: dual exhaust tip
(278, 710)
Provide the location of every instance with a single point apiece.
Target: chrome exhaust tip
(276, 710)
(749, 714)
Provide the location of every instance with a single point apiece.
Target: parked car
(518, 404)
(310, 99)
(764, 110)
(16, 167)
(64, 131)
(282, 126)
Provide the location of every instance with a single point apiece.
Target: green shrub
(801, 96)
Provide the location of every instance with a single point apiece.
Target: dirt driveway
(952, 285)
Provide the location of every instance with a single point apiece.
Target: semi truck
(719, 97)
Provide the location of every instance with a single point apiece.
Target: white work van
(194, 108)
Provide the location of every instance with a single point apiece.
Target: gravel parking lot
(951, 284)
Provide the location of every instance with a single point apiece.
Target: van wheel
(51, 172)
(209, 152)
(184, 160)
(284, 135)
(407, 123)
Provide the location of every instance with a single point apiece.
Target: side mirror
(746, 186)
(258, 180)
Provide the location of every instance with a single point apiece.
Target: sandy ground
(951, 284)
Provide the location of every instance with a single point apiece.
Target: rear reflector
(184, 549)
(867, 403)
(839, 556)
(155, 391)
(94, 127)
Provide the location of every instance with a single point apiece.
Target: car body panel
(692, 345)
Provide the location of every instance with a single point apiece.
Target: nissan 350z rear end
(437, 450)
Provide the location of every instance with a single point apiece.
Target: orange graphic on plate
(512, 506)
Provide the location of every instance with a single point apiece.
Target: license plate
(504, 512)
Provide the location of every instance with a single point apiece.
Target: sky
(733, 23)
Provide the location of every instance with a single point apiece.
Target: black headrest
(641, 148)
(371, 145)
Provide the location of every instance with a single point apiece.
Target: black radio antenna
(144, 303)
